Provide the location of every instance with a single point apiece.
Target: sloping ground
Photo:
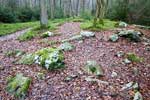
(53, 87)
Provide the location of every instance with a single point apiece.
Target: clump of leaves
(14, 53)
(49, 58)
(26, 59)
(134, 58)
(27, 36)
(18, 86)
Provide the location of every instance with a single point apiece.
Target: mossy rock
(47, 34)
(49, 58)
(114, 37)
(26, 59)
(134, 58)
(18, 86)
(131, 34)
(93, 68)
(76, 37)
(122, 24)
(66, 46)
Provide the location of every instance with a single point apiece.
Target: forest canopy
(131, 11)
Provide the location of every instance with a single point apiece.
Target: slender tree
(44, 16)
(100, 11)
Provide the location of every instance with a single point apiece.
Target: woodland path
(13, 35)
(53, 86)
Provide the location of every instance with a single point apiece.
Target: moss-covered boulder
(18, 86)
(114, 37)
(122, 24)
(49, 58)
(66, 46)
(93, 68)
(131, 34)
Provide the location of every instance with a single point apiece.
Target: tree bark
(44, 16)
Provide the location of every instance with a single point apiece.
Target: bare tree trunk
(52, 8)
(44, 16)
(100, 11)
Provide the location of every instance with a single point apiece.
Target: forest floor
(54, 86)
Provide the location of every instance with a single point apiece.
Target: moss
(14, 53)
(108, 24)
(134, 58)
(50, 58)
(26, 59)
(27, 36)
(18, 86)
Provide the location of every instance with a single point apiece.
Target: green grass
(11, 28)
(108, 24)
(37, 31)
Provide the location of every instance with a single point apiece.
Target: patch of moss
(18, 86)
(50, 58)
(134, 58)
(27, 36)
(26, 59)
(14, 53)
(108, 24)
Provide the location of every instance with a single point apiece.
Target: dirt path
(53, 87)
(13, 35)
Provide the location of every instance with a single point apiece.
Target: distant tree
(101, 6)
(44, 16)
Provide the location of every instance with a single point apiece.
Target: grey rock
(113, 38)
(138, 96)
(127, 86)
(122, 24)
(120, 54)
(114, 74)
(66, 46)
(127, 61)
(93, 68)
(87, 34)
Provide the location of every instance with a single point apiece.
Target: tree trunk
(52, 8)
(44, 16)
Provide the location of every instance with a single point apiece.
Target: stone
(114, 74)
(40, 76)
(70, 78)
(120, 54)
(136, 86)
(18, 86)
(138, 96)
(66, 46)
(90, 79)
(87, 34)
(113, 38)
(148, 48)
(93, 68)
(47, 34)
(127, 61)
(131, 34)
(76, 37)
(127, 86)
(2, 67)
(49, 58)
(122, 24)
(135, 71)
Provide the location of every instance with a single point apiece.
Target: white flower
(46, 66)
(36, 57)
(47, 61)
